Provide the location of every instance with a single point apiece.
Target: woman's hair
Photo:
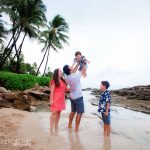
(56, 78)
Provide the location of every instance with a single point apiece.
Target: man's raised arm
(75, 68)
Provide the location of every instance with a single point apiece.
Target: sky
(113, 34)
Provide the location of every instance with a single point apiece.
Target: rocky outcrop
(87, 89)
(137, 92)
(22, 103)
(24, 100)
(136, 98)
(5, 103)
(11, 97)
(39, 95)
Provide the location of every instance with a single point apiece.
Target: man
(77, 105)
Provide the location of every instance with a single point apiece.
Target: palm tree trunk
(2, 62)
(6, 48)
(18, 53)
(5, 51)
(46, 61)
(42, 61)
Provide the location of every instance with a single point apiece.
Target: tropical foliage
(27, 18)
(14, 81)
(53, 37)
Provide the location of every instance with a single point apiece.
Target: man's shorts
(77, 105)
(106, 119)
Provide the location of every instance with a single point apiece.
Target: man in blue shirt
(104, 106)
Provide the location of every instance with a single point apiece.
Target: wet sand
(21, 130)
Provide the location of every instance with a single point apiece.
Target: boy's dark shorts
(77, 105)
(106, 119)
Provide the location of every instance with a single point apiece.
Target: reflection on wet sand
(106, 143)
(74, 141)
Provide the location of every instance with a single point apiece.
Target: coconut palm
(53, 38)
(26, 16)
(2, 31)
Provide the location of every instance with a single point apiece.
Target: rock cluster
(25, 100)
(137, 92)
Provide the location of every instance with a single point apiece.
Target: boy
(104, 106)
(81, 60)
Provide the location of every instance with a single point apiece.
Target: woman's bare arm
(52, 87)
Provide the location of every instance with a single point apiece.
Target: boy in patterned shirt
(104, 106)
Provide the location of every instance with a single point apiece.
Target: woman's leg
(57, 119)
(52, 120)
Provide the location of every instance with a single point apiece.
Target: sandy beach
(21, 130)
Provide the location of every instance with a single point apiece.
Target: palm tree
(2, 31)
(53, 38)
(26, 16)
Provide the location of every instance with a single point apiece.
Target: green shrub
(43, 81)
(14, 81)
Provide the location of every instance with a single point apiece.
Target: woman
(58, 87)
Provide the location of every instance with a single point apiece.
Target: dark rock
(137, 92)
(39, 95)
(5, 103)
(45, 90)
(1, 95)
(22, 103)
(147, 98)
(27, 91)
(87, 89)
(10, 97)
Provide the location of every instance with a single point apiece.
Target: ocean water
(130, 129)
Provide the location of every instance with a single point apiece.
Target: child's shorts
(106, 119)
(81, 66)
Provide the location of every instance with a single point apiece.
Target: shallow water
(130, 130)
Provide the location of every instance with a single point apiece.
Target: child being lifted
(82, 60)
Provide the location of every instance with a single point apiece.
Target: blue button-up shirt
(104, 99)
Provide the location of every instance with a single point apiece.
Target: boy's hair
(66, 70)
(106, 84)
(77, 53)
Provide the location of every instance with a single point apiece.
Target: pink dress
(59, 97)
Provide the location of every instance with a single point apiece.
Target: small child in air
(81, 60)
(104, 106)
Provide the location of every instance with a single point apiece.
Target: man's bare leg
(71, 116)
(78, 119)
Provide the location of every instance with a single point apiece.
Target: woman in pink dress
(58, 87)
